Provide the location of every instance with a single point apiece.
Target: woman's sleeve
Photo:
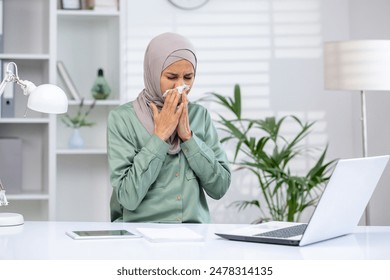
(208, 160)
(132, 171)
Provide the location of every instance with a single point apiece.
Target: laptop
(338, 211)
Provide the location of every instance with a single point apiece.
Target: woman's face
(177, 74)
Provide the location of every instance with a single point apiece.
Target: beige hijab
(162, 51)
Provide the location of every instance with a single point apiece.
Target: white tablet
(102, 234)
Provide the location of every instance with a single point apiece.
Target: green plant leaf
(79, 120)
(243, 204)
(237, 101)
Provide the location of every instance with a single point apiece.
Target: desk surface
(47, 240)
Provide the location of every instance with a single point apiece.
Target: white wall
(273, 49)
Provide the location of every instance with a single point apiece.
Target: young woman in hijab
(164, 152)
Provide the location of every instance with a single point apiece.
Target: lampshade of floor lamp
(358, 65)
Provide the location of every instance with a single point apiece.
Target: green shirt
(150, 185)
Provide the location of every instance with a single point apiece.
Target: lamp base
(11, 219)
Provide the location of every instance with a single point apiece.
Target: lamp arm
(10, 77)
(3, 198)
(26, 86)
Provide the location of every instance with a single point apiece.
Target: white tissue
(180, 89)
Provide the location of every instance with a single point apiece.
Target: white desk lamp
(358, 65)
(45, 98)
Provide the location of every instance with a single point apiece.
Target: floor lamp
(359, 65)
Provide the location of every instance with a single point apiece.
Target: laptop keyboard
(285, 232)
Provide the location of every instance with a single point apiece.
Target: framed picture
(71, 4)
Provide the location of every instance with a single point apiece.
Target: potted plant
(77, 121)
(261, 148)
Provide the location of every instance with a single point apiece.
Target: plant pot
(76, 141)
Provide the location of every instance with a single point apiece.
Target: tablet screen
(85, 234)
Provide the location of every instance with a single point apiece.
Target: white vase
(75, 140)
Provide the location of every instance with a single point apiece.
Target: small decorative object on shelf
(77, 121)
(71, 4)
(90, 4)
(76, 141)
(100, 89)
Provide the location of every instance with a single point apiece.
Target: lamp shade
(49, 99)
(357, 65)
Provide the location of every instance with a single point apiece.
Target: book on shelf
(7, 100)
(64, 74)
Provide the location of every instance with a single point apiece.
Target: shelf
(24, 120)
(15, 56)
(28, 196)
(88, 13)
(96, 151)
(85, 41)
(107, 102)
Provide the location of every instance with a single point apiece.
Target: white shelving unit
(86, 41)
(61, 183)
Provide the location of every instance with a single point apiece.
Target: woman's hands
(183, 128)
(172, 116)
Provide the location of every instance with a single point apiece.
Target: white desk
(47, 240)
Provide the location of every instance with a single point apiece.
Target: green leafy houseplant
(261, 148)
(80, 119)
